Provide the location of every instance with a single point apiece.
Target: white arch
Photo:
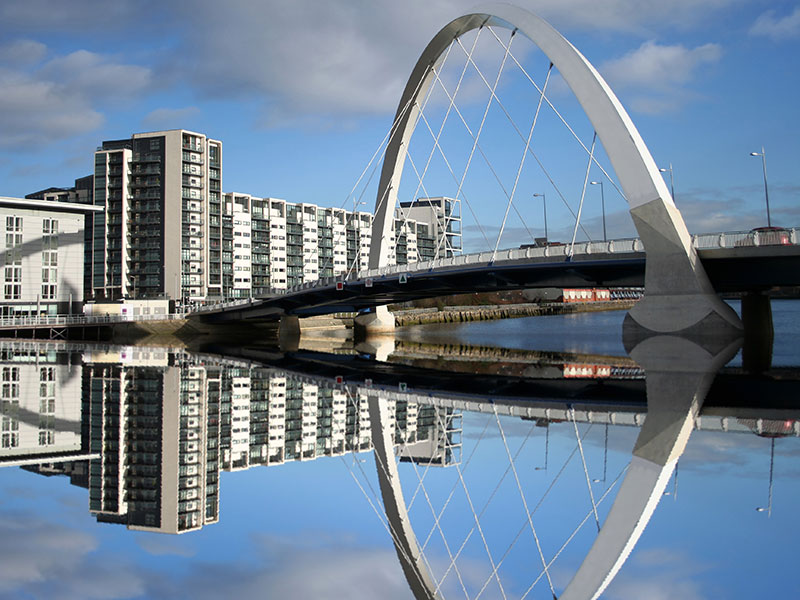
(678, 293)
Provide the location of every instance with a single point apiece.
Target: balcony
(193, 146)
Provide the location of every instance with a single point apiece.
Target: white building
(42, 260)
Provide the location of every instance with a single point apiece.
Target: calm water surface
(158, 473)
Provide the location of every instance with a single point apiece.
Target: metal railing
(68, 320)
(553, 252)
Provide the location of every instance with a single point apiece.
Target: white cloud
(43, 15)
(170, 118)
(22, 53)
(779, 29)
(96, 76)
(661, 66)
(307, 57)
(657, 74)
(62, 97)
(659, 574)
(41, 559)
(35, 112)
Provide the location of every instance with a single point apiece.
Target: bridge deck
(737, 269)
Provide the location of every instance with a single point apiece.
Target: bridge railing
(66, 320)
(777, 236)
(557, 250)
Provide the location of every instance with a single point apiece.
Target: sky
(301, 93)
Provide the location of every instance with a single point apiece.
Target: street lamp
(671, 181)
(544, 207)
(763, 156)
(546, 444)
(605, 460)
(603, 201)
(768, 508)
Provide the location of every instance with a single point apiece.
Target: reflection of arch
(678, 376)
(679, 294)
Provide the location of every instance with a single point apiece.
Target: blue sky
(302, 93)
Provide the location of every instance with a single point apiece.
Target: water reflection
(149, 432)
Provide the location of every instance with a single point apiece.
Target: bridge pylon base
(378, 322)
(690, 315)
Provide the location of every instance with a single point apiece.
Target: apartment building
(167, 231)
(161, 235)
(442, 216)
(272, 244)
(42, 262)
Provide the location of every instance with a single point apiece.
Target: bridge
(681, 285)
(734, 261)
(682, 276)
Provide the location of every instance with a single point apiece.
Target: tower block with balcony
(162, 232)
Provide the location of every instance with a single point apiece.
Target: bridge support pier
(679, 298)
(759, 332)
(289, 333)
(378, 322)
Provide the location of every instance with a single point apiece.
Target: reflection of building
(158, 469)
(40, 408)
(159, 461)
(42, 256)
(156, 427)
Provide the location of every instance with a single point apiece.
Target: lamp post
(546, 447)
(768, 508)
(603, 202)
(671, 180)
(544, 207)
(605, 459)
(763, 156)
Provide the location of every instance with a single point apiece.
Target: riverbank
(463, 314)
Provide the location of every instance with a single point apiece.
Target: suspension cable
(524, 501)
(585, 470)
(583, 196)
(522, 160)
(559, 115)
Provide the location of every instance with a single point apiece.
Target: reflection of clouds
(40, 559)
(659, 574)
(159, 545)
(293, 573)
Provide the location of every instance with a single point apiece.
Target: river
(262, 462)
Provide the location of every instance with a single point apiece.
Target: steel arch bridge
(678, 295)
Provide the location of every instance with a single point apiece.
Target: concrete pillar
(759, 332)
(289, 333)
(679, 297)
(378, 322)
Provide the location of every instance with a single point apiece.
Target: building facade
(42, 262)
(161, 235)
(271, 244)
(442, 217)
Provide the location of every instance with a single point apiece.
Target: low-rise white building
(42, 256)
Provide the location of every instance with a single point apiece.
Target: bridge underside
(730, 270)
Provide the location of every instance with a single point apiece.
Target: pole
(766, 188)
(603, 203)
(544, 208)
(763, 155)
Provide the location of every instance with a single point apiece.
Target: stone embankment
(463, 314)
